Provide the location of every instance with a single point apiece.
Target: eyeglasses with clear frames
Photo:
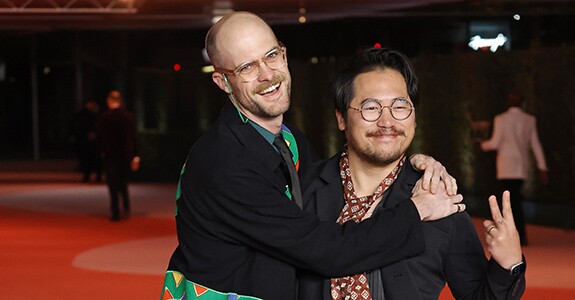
(371, 109)
(250, 71)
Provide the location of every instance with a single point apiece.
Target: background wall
(461, 91)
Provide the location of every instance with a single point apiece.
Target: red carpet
(56, 242)
(38, 250)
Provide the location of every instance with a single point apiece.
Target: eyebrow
(369, 100)
(401, 98)
(253, 60)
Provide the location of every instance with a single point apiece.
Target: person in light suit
(376, 102)
(514, 134)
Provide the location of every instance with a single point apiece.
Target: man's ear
(340, 120)
(220, 80)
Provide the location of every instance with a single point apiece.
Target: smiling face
(244, 38)
(384, 141)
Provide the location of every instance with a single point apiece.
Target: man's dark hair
(514, 99)
(370, 60)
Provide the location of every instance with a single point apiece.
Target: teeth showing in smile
(270, 89)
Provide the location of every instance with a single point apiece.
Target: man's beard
(271, 111)
(376, 155)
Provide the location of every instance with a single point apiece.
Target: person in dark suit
(376, 101)
(240, 226)
(86, 137)
(119, 151)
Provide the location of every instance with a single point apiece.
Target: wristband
(517, 268)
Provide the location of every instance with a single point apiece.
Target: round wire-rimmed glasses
(250, 71)
(371, 109)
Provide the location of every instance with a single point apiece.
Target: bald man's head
(231, 32)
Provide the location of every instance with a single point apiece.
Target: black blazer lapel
(397, 280)
(401, 189)
(261, 152)
(322, 181)
(264, 154)
(326, 210)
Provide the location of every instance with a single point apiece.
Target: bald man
(241, 230)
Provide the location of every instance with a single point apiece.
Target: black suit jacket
(453, 253)
(117, 136)
(238, 231)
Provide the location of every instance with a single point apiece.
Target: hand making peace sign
(501, 235)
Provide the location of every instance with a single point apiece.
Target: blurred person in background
(119, 152)
(85, 128)
(514, 135)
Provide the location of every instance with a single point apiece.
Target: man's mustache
(265, 85)
(385, 131)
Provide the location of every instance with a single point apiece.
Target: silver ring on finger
(491, 228)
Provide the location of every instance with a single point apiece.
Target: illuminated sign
(477, 42)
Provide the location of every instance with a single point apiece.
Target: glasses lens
(371, 110)
(248, 71)
(275, 59)
(401, 109)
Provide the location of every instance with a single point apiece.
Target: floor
(56, 242)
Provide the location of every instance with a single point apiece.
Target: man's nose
(386, 119)
(266, 73)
